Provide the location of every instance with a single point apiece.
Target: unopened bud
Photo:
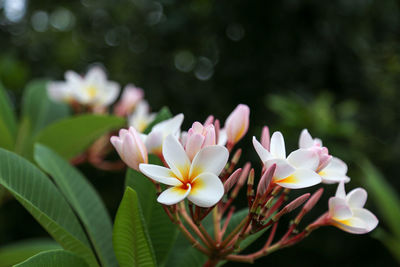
(313, 200)
(232, 180)
(236, 156)
(242, 179)
(266, 180)
(237, 123)
(291, 206)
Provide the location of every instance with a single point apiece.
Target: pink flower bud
(129, 98)
(199, 136)
(237, 123)
(130, 147)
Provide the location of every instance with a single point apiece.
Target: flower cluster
(200, 165)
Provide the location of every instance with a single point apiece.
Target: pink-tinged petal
(209, 159)
(209, 136)
(160, 174)
(339, 209)
(356, 198)
(277, 146)
(174, 195)
(304, 158)
(265, 137)
(133, 151)
(175, 156)
(333, 177)
(139, 143)
(237, 123)
(340, 192)
(305, 140)
(262, 152)
(207, 190)
(193, 145)
(283, 168)
(117, 143)
(301, 178)
(170, 126)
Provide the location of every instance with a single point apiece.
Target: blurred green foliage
(332, 67)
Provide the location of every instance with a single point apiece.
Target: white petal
(362, 222)
(301, 178)
(154, 142)
(283, 168)
(333, 177)
(159, 174)
(207, 190)
(209, 159)
(176, 158)
(336, 165)
(173, 195)
(170, 126)
(356, 198)
(277, 147)
(304, 158)
(305, 140)
(73, 77)
(338, 209)
(340, 192)
(262, 152)
(111, 93)
(95, 75)
(222, 137)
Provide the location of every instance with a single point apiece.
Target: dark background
(330, 66)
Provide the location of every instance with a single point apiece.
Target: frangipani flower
(93, 89)
(197, 180)
(130, 97)
(130, 147)
(141, 117)
(295, 171)
(237, 123)
(198, 136)
(334, 172)
(307, 142)
(347, 213)
(154, 140)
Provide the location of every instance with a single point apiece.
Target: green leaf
(41, 198)
(39, 109)
(161, 230)
(131, 242)
(162, 115)
(59, 258)
(383, 195)
(77, 133)
(8, 124)
(84, 200)
(20, 251)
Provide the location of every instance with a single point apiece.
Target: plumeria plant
(179, 207)
(199, 170)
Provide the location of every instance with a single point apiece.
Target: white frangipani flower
(347, 213)
(141, 117)
(295, 171)
(154, 140)
(93, 89)
(197, 180)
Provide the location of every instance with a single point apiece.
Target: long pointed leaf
(41, 198)
(17, 252)
(70, 137)
(162, 231)
(83, 199)
(59, 258)
(131, 243)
